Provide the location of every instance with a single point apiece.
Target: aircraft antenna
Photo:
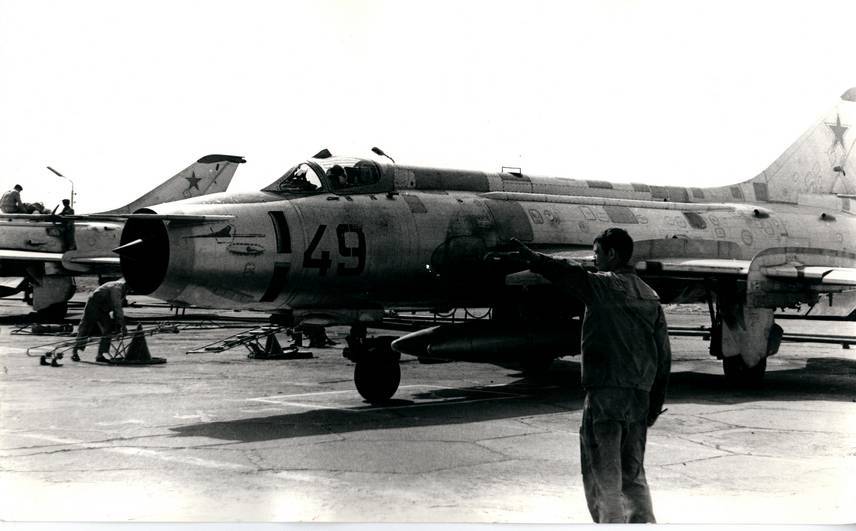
(379, 151)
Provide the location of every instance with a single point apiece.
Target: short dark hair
(65, 201)
(19, 187)
(618, 239)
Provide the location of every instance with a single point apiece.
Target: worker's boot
(103, 348)
(74, 356)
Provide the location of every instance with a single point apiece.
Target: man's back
(10, 203)
(622, 333)
(625, 340)
(109, 296)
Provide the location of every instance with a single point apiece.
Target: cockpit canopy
(335, 174)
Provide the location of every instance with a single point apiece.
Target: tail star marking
(193, 180)
(838, 130)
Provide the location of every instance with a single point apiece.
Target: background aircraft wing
(11, 285)
(68, 259)
(193, 218)
(41, 256)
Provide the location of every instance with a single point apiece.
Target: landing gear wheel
(377, 381)
(43, 361)
(737, 373)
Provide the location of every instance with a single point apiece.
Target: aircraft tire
(739, 375)
(377, 381)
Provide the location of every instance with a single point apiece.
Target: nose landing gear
(377, 373)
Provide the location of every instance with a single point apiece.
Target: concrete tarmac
(224, 438)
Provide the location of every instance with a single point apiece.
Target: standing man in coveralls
(626, 358)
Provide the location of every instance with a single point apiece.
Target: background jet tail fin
(821, 161)
(208, 175)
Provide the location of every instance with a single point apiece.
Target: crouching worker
(97, 320)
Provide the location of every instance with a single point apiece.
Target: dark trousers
(96, 321)
(612, 450)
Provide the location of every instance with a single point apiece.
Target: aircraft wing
(188, 218)
(670, 267)
(11, 285)
(682, 267)
(68, 260)
(832, 276)
(818, 276)
(694, 267)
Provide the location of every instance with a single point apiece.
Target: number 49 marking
(355, 252)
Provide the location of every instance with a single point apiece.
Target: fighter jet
(343, 240)
(40, 254)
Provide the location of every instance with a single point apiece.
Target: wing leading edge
(822, 277)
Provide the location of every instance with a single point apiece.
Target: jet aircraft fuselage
(343, 239)
(417, 237)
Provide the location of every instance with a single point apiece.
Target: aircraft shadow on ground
(832, 379)
(30, 318)
(557, 391)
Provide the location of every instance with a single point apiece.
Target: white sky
(119, 96)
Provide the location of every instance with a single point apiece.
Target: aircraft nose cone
(415, 344)
(129, 248)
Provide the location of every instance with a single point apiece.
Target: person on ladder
(97, 321)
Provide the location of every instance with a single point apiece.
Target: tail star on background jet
(838, 130)
(193, 181)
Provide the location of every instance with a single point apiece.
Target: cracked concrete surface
(218, 437)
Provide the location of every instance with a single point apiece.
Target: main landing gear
(743, 337)
(376, 373)
(738, 374)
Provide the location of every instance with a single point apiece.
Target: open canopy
(335, 174)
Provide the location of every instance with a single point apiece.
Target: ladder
(119, 352)
(252, 340)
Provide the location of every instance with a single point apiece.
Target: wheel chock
(274, 351)
(137, 352)
(272, 346)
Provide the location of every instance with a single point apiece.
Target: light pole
(58, 174)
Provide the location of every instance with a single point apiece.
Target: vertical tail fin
(821, 161)
(208, 175)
